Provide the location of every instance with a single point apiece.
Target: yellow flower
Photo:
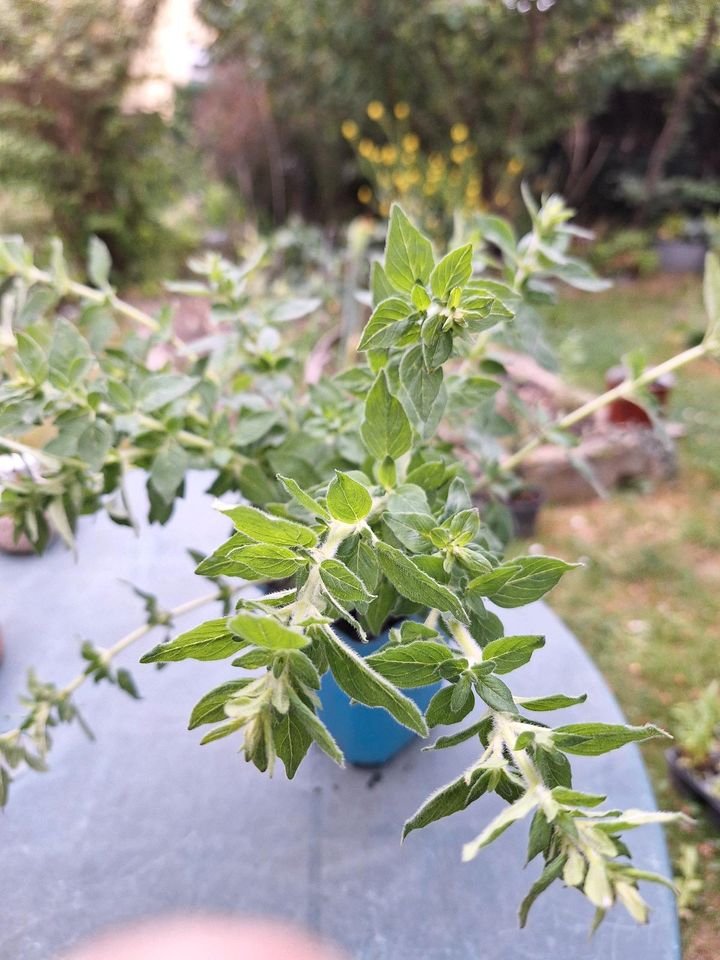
(375, 110)
(384, 209)
(389, 154)
(376, 155)
(514, 166)
(458, 155)
(411, 142)
(365, 148)
(401, 110)
(459, 133)
(364, 194)
(349, 129)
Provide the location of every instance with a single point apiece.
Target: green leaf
(420, 297)
(414, 664)
(264, 528)
(94, 443)
(533, 579)
(291, 740)
(160, 389)
(388, 322)
(437, 343)
(479, 729)
(211, 707)
(509, 653)
(315, 728)
(304, 499)
(386, 429)
(70, 356)
(266, 632)
(411, 529)
(380, 286)
(593, 739)
(449, 799)
(454, 270)
(99, 263)
(342, 583)
(359, 557)
(168, 470)
(416, 585)
(362, 683)
(553, 869)
(303, 669)
(441, 711)
(495, 694)
(408, 254)
(211, 640)
(218, 563)
(499, 824)
(267, 560)
(573, 798)
(555, 701)
(219, 732)
(419, 385)
(540, 835)
(348, 500)
(252, 425)
(32, 357)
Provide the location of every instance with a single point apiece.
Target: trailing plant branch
(50, 705)
(627, 388)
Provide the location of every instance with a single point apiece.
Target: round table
(145, 822)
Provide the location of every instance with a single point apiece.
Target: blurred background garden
(167, 127)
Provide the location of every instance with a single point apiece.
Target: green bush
(72, 161)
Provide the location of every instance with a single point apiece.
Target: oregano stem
(597, 403)
(83, 292)
(123, 643)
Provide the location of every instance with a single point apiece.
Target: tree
(66, 68)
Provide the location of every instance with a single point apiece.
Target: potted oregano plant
(694, 763)
(387, 544)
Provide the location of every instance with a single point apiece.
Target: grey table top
(144, 822)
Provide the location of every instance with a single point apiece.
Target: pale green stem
(84, 292)
(9, 444)
(597, 403)
(110, 653)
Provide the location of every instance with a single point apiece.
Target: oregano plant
(379, 530)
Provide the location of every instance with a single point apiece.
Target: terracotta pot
(624, 412)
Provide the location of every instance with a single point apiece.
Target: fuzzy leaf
(414, 664)
(342, 583)
(266, 632)
(362, 683)
(385, 429)
(211, 640)
(454, 270)
(509, 653)
(408, 254)
(264, 528)
(211, 707)
(593, 739)
(416, 585)
(348, 500)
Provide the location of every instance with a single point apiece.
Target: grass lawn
(646, 604)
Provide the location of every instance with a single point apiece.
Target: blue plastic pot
(368, 736)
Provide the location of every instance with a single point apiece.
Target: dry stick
(597, 403)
